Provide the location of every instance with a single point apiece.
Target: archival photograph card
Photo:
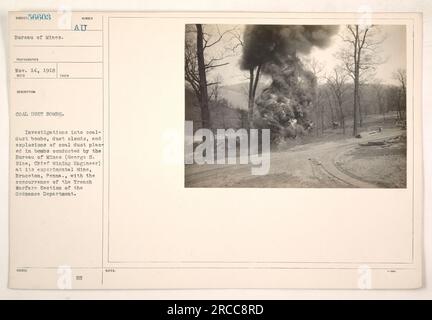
(215, 150)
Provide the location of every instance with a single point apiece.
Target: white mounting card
(215, 150)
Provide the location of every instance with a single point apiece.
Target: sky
(392, 51)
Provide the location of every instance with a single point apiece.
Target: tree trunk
(356, 81)
(203, 100)
(253, 84)
(342, 116)
(223, 120)
(332, 114)
(360, 109)
(322, 119)
(251, 97)
(331, 109)
(399, 106)
(256, 83)
(356, 108)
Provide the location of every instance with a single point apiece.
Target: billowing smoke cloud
(284, 105)
(267, 43)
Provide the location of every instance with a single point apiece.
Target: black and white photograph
(216, 151)
(295, 106)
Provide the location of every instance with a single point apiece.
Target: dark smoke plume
(284, 105)
(267, 43)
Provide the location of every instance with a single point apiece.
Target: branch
(221, 35)
(216, 65)
(212, 83)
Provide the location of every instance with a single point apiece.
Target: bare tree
(380, 98)
(317, 69)
(328, 95)
(253, 77)
(197, 65)
(215, 88)
(202, 79)
(360, 56)
(337, 85)
(215, 100)
(400, 76)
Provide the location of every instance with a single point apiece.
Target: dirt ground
(383, 165)
(330, 160)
